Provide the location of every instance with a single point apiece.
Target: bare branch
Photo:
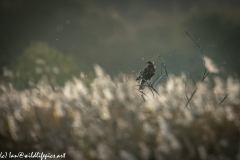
(151, 89)
(156, 81)
(191, 97)
(165, 68)
(155, 91)
(224, 98)
(155, 57)
(192, 39)
(206, 72)
(192, 79)
(187, 95)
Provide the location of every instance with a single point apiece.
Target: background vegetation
(37, 60)
(54, 98)
(121, 34)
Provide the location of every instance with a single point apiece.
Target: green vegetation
(40, 60)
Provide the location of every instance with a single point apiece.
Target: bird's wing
(145, 71)
(142, 73)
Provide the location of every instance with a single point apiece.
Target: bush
(39, 60)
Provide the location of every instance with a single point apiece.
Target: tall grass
(110, 121)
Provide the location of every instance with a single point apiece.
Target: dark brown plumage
(146, 74)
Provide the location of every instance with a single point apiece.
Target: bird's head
(150, 62)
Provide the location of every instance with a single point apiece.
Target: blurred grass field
(109, 120)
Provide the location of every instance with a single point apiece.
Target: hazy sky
(123, 35)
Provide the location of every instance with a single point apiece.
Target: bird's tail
(141, 86)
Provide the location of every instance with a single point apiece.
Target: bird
(146, 74)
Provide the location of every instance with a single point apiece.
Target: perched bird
(146, 74)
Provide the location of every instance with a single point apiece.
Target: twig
(192, 79)
(191, 97)
(142, 94)
(155, 57)
(151, 89)
(143, 97)
(187, 95)
(165, 68)
(156, 81)
(163, 65)
(224, 98)
(206, 72)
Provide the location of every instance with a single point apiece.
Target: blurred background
(66, 83)
(121, 36)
